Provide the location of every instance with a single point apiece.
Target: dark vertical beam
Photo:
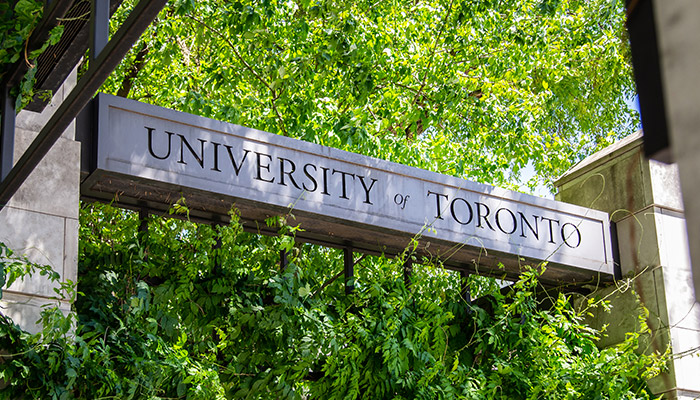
(617, 267)
(407, 271)
(138, 20)
(143, 220)
(464, 289)
(644, 46)
(349, 268)
(143, 230)
(217, 253)
(284, 261)
(99, 27)
(7, 132)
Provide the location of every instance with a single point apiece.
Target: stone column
(41, 219)
(643, 198)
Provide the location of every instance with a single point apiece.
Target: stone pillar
(644, 200)
(41, 219)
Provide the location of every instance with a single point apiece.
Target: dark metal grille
(58, 60)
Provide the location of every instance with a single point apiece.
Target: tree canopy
(476, 89)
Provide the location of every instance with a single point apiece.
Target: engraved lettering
(311, 178)
(289, 173)
(512, 216)
(484, 216)
(150, 143)
(367, 189)
(438, 213)
(237, 167)
(184, 143)
(261, 167)
(454, 214)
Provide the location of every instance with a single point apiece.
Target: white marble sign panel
(160, 145)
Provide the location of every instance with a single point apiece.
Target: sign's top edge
(105, 101)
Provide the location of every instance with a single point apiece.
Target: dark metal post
(465, 292)
(349, 264)
(617, 267)
(7, 133)
(99, 27)
(217, 255)
(407, 271)
(284, 261)
(143, 230)
(143, 220)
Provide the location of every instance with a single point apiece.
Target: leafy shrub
(187, 310)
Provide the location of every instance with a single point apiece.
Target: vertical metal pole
(7, 133)
(143, 230)
(217, 255)
(284, 261)
(143, 220)
(465, 292)
(99, 27)
(349, 264)
(617, 267)
(407, 271)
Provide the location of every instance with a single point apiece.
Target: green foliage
(189, 310)
(469, 88)
(13, 267)
(16, 26)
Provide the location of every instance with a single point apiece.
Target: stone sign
(143, 155)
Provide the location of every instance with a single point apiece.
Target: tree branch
(137, 66)
(247, 66)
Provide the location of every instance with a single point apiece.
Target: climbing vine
(17, 23)
(169, 313)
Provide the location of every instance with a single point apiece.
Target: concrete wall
(41, 220)
(644, 199)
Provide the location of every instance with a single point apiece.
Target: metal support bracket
(143, 220)
(464, 286)
(284, 260)
(99, 27)
(349, 269)
(407, 271)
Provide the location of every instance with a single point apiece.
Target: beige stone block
(686, 347)
(25, 310)
(625, 300)
(665, 185)
(637, 242)
(70, 252)
(53, 187)
(683, 309)
(665, 382)
(617, 323)
(677, 21)
(687, 395)
(673, 240)
(32, 121)
(619, 186)
(38, 236)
